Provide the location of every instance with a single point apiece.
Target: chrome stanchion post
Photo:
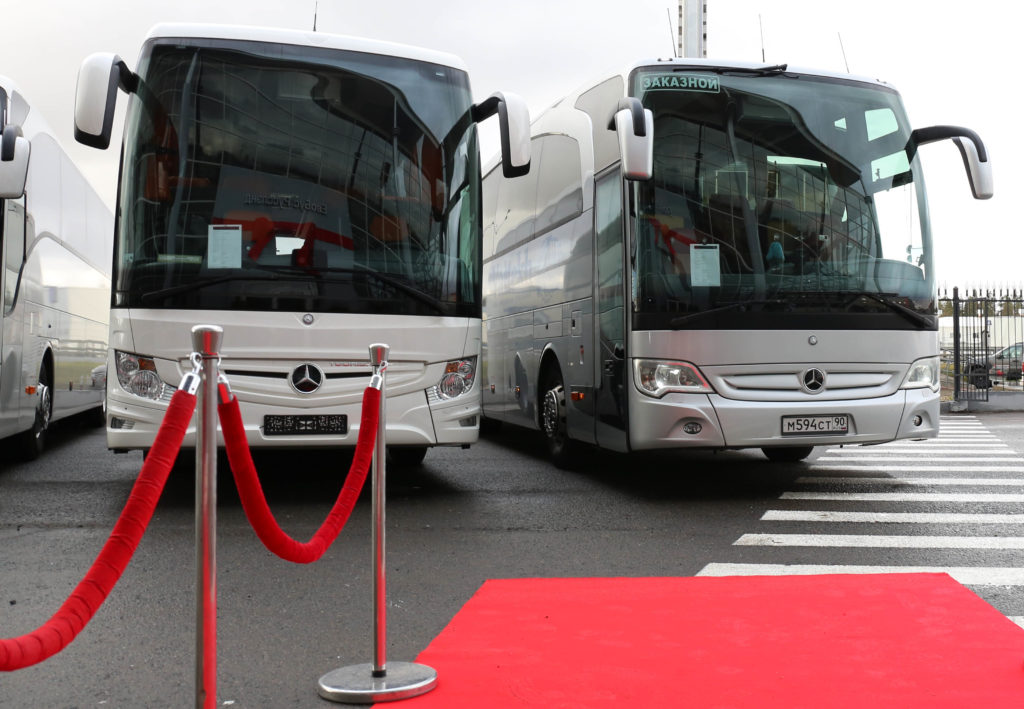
(377, 681)
(379, 362)
(206, 341)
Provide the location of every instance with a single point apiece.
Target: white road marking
(966, 575)
(906, 496)
(847, 480)
(879, 541)
(891, 517)
(918, 468)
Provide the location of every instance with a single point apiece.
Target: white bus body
(718, 256)
(312, 194)
(56, 245)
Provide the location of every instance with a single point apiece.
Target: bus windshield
(279, 177)
(776, 196)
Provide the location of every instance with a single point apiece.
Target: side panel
(538, 281)
(56, 289)
(65, 284)
(72, 302)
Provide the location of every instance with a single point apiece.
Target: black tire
(97, 418)
(553, 420)
(33, 441)
(488, 425)
(408, 456)
(787, 454)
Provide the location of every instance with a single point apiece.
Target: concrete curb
(997, 401)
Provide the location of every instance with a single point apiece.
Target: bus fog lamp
(924, 373)
(657, 378)
(458, 378)
(137, 375)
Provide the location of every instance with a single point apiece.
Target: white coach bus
(312, 194)
(713, 255)
(56, 235)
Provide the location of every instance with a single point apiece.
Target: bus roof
(720, 64)
(305, 39)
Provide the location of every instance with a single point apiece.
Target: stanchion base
(356, 684)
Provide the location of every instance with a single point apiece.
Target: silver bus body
(312, 194)
(635, 301)
(56, 246)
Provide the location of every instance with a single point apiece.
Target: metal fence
(980, 336)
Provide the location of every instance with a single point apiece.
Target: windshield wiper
(768, 70)
(205, 283)
(398, 283)
(898, 308)
(274, 273)
(387, 278)
(739, 305)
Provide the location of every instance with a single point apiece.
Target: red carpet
(878, 641)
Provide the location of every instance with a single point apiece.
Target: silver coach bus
(717, 255)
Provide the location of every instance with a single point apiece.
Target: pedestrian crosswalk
(955, 498)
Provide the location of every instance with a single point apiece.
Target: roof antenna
(841, 47)
(671, 32)
(316, 9)
(761, 24)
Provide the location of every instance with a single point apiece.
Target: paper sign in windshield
(224, 246)
(703, 83)
(705, 268)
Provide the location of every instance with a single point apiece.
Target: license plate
(812, 425)
(304, 425)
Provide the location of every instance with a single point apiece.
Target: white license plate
(813, 425)
(305, 425)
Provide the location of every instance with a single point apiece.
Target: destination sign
(703, 83)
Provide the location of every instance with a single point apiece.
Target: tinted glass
(261, 177)
(778, 194)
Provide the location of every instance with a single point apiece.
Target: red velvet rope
(255, 503)
(58, 632)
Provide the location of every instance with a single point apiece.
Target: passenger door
(610, 419)
(12, 252)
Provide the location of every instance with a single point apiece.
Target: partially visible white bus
(56, 250)
(312, 194)
(717, 255)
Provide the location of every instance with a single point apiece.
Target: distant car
(1005, 365)
(99, 377)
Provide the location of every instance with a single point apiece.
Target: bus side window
(13, 234)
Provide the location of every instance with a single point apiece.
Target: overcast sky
(952, 67)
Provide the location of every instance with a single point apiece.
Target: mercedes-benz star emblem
(306, 378)
(813, 380)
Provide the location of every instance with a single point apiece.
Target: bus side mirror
(96, 96)
(634, 126)
(976, 162)
(979, 173)
(514, 124)
(14, 155)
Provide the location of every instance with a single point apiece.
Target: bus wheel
(553, 421)
(98, 416)
(787, 454)
(33, 441)
(407, 457)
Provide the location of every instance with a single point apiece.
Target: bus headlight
(659, 377)
(923, 373)
(458, 378)
(137, 375)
